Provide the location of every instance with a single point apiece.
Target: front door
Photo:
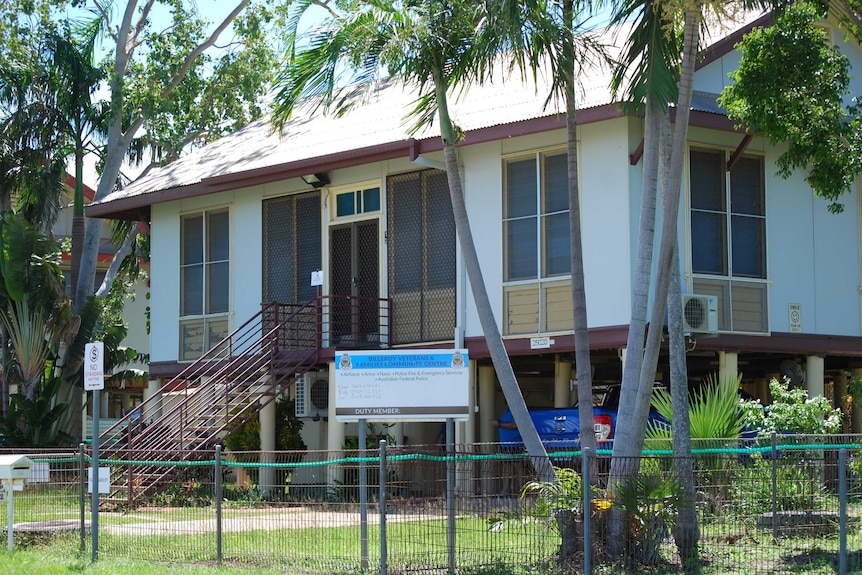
(354, 284)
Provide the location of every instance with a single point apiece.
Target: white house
(247, 219)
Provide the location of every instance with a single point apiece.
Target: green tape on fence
(375, 460)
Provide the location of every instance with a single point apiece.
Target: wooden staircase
(210, 399)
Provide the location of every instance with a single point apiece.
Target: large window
(421, 238)
(205, 281)
(728, 237)
(537, 244)
(291, 247)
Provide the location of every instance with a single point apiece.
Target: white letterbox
(15, 469)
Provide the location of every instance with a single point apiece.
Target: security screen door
(354, 284)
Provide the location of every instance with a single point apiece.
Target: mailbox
(15, 470)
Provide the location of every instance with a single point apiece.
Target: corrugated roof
(378, 121)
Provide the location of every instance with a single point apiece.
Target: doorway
(354, 274)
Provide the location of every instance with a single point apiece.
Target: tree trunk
(686, 531)
(624, 463)
(631, 445)
(583, 365)
(493, 337)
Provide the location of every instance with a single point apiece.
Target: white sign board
(317, 278)
(541, 342)
(94, 370)
(794, 315)
(104, 480)
(419, 385)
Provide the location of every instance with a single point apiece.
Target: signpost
(413, 385)
(94, 380)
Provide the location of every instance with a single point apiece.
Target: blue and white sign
(418, 385)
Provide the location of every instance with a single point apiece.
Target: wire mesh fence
(758, 507)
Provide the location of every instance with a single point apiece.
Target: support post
(774, 487)
(82, 468)
(94, 479)
(842, 512)
(587, 504)
(218, 502)
(363, 495)
(382, 482)
(450, 492)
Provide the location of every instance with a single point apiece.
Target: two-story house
(247, 220)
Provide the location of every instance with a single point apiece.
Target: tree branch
(121, 254)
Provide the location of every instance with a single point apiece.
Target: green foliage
(713, 412)
(797, 486)
(288, 430)
(551, 497)
(790, 86)
(651, 500)
(189, 493)
(791, 411)
(31, 423)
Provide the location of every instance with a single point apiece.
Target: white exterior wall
(164, 282)
(135, 316)
(482, 169)
(604, 194)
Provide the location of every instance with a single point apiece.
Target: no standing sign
(94, 370)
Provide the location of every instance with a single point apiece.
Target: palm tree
(432, 45)
(648, 65)
(76, 80)
(558, 37)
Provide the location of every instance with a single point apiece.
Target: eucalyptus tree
(437, 47)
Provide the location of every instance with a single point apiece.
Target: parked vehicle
(559, 427)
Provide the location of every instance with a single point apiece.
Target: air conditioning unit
(700, 313)
(312, 395)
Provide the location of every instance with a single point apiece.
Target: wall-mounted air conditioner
(312, 395)
(700, 313)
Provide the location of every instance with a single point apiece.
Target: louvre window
(728, 237)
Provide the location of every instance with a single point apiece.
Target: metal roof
(376, 127)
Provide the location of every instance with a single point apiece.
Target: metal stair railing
(215, 395)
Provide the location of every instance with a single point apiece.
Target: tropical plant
(33, 422)
(560, 505)
(791, 86)
(791, 411)
(713, 413)
(288, 430)
(651, 501)
(436, 47)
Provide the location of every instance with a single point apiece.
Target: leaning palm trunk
(583, 367)
(493, 337)
(625, 463)
(631, 447)
(686, 532)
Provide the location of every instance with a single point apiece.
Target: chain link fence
(788, 504)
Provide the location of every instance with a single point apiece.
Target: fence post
(587, 505)
(382, 482)
(363, 496)
(82, 500)
(450, 492)
(774, 486)
(218, 502)
(842, 512)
